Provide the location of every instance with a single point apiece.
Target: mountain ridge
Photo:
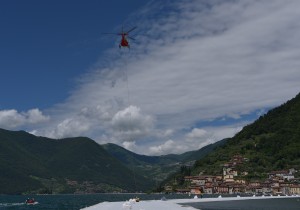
(27, 162)
(270, 143)
(158, 167)
(31, 164)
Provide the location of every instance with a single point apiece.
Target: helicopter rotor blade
(131, 29)
(110, 34)
(131, 38)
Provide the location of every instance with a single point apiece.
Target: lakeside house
(232, 182)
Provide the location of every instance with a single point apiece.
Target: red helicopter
(124, 41)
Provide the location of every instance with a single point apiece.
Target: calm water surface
(76, 202)
(71, 202)
(264, 204)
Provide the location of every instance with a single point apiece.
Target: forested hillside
(158, 168)
(271, 143)
(31, 164)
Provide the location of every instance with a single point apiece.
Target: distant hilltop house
(285, 175)
(235, 161)
(231, 181)
(230, 171)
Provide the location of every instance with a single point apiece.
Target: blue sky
(47, 44)
(197, 73)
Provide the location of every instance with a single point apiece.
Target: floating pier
(172, 204)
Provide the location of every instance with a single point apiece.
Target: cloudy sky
(197, 72)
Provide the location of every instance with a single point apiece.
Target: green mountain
(158, 168)
(152, 167)
(271, 143)
(31, 164)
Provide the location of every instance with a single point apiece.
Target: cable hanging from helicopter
(124, 43)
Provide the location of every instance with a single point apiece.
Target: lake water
(70, 202)
(76, 202)
(265, 204)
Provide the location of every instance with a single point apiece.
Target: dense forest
(271, 143)
(31, 164)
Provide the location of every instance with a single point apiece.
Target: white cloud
(129, 145)
(11, 119)
(130, 124)
(70, 127)
(168, 132)
(197, 133)
(35, 116)
(194, 61)
(168, 147)
(194, 140)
